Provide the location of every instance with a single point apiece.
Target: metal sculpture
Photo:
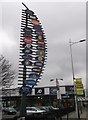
(33, 50)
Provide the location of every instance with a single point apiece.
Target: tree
(7, 74)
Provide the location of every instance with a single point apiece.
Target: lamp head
(82, 40)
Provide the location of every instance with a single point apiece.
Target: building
(41, 96)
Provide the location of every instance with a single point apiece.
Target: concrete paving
(73, 115)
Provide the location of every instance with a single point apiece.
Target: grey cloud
(60, 21)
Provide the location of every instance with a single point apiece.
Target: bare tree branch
(7, 74)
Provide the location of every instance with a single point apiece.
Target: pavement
(73, 115)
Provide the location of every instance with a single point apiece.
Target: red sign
(27, 40)
(40, 48)
(40, 42)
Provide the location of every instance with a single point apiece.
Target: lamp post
(58, 87)
(58, 92)
(73, 75)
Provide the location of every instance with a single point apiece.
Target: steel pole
(72, 60)
(73, 75)
(23, 97)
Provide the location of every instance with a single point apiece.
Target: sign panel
(27, 29)
(69, 89)
(40, 53)
(28, 46)
(39, 58)
(33, 17)
(36, 22)
(27, 35)
(79, 91)
(27, 51)
(33, 75)
(30, 82)
(78, 86)
(25, 90)
(27, 40)
(27, 62)
(26, 57)
(39, 90)
(39, 64)
(36, 69)
(37, 27)
(53, 90)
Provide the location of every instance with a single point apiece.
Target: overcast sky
(61, 21)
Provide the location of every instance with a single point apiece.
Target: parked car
(49, 108)
(9, 111)
(52, 108)
(34, 110)
(44, 108)
(51, 112)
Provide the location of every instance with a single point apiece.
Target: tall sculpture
(33, 50)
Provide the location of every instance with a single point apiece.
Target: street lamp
(71, 44)
(57, 86)
(58, 92)
(76, 102)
